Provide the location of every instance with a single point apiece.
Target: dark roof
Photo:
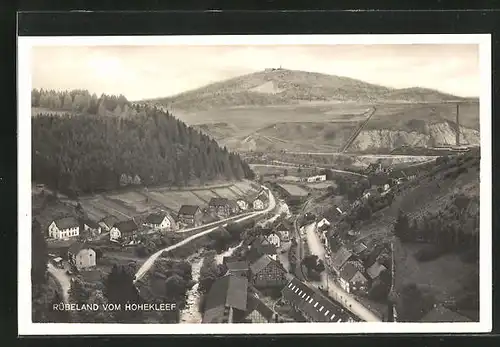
(237, 265)
(91, 223)
(311, 302)
(359, 248)
(262, 263)
(156, 218)
(260, 247)
(334, 244)
(228, 291)
(375, 270)
(255, 304)
(348, 271)
(125, 227)
(230, 259)
(110, 221)
(67, 222)
(284, 225)
(340, 258)
(442, 314)
(77, 247)
(189, 210)
(218, 202)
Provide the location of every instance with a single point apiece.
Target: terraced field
(225, 193)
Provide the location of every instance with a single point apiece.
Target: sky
(143, 72)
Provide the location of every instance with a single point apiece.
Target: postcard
(292, 184)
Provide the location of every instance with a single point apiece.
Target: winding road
(150, 261)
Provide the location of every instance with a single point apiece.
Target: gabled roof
(110, 221)
(359, 248)
(67, 222)
(189, 210)
(311, 302)
(77, 247)
(218, 202)
(255, 304)
(228, 291)
(127, 226)
(442, 314)
(91, 223)
(340, 258)
(156, 218)
(262, 263)
(375, 270)
(237, 265)
(348, 271)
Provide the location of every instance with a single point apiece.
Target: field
(136, 203)
(321, 185)
(294, 190)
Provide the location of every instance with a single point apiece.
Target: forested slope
(92, 151)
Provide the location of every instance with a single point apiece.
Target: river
(191, 314)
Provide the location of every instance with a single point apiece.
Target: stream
(190, 314)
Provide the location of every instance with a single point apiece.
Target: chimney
(457, 134)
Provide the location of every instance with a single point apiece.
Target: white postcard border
(25, 325)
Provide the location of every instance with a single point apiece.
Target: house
(322, 224)
(375, 270)
(266, 272)
(359, 249)
(331, 241)
(108, 222)
(242, 204)
(340, 258)
(260, 200)
(92, 227)
(318, 178)
(339, 210)
(124, 231)
(190, 215)
(311, 304)
(442, 314)
(160, 221)
(222, 207)
(351, 279)
(81, 256)
(274, 239)
(283, 230)
(259, 247)
(64, 228)
(57, 262)
(258, 311)
(226, 302)
(238, 268)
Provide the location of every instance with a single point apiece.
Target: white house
(108, 222)
(160, 221)
(64, 228)
(123, 231)
(81, 256)
(260, 201)
(274, 239)
(318, 178)
(351, 279)
(92, 227)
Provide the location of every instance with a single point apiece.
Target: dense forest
(102, 144)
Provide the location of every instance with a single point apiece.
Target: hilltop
(282, 86)
(79, 148)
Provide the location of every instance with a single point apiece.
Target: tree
(39, 257)
(402, 226)
(67, 103)
(120, 289)
(285, 172)
(175, 287)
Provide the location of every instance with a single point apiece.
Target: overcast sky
(140, 72)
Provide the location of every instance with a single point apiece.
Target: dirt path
(63, 279)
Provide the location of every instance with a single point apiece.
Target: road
(285, 165)
(328, 281)
(63, 278)
(150, 261)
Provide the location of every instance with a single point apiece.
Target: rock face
(440, 134)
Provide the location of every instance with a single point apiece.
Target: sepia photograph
(176, 184)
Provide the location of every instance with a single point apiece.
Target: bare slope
(280, 86)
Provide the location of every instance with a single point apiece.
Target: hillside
(277, 109)
(281, 86)
(84, 152)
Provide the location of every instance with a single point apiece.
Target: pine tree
(67, 103)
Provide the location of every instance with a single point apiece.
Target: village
(286, 267)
